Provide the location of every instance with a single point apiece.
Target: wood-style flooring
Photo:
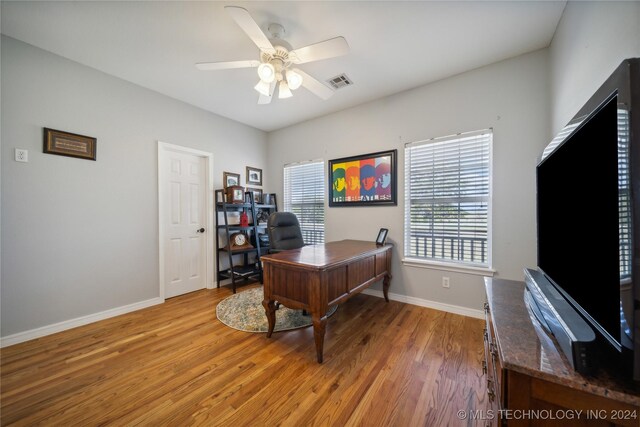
(385, 364)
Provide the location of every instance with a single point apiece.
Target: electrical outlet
(445, 282)
(22, 155)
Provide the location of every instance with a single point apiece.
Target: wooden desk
(314, 277)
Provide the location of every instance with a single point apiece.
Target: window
(448, 199)
(304, 196)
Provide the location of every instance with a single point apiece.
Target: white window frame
(483, 269)
(287, 202)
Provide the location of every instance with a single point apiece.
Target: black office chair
(284, 232)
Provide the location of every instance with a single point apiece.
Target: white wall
(511, 97)
(80, 237)
(591, 40)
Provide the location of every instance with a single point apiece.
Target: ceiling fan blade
(209, 66)
(331, 48)
(314, 86)
(249, 26)
(264, 99)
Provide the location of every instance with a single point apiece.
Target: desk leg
(385, 286)
(270, 310)
(319, 324)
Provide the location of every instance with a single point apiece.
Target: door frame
(164, 149)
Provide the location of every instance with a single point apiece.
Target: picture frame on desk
(382, 236)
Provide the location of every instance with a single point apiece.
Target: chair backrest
(284, 231)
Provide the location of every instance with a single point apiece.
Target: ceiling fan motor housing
(280, 58)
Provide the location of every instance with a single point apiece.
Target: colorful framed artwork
(366, 180)
(69, 144)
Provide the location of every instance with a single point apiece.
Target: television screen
(578, 208)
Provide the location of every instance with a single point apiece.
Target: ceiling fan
(277, 59)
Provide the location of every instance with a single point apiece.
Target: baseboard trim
(78, 321)
(449, 308)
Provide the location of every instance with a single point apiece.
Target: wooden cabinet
(241, 263)
(530, 383)
(492, 368)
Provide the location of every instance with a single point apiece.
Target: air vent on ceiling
(340, 81)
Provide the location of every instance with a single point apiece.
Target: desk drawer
(292, 283)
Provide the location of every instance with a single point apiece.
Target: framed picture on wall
(69, 144)
(365, 180)
(254, 176)
(229, 179)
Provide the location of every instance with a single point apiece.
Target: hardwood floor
(387, 364)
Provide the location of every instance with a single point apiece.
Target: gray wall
(80, 237)
(511, 97)
(591, 40)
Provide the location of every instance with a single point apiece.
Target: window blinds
(304, 196)
(447, 199)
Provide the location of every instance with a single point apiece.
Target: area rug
(244, 311)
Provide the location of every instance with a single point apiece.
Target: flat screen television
(588, 214)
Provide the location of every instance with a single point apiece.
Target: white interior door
(185, 223)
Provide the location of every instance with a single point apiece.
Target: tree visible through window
(304, 196)
(447, 199)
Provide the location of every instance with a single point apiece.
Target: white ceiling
(394, 45)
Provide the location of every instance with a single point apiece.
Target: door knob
(200, 230)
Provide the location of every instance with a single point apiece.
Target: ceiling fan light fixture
(294, 80)
(276, 57)
(284, 91)
(266, 72)
(263, 87)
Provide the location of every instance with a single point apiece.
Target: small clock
(239, 241)
(235, 194)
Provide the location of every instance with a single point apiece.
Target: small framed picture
(256, 193)
(69, 144)
(254, 176)
(230, 179)
(382, 236)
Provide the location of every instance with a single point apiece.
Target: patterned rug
(244, 311)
